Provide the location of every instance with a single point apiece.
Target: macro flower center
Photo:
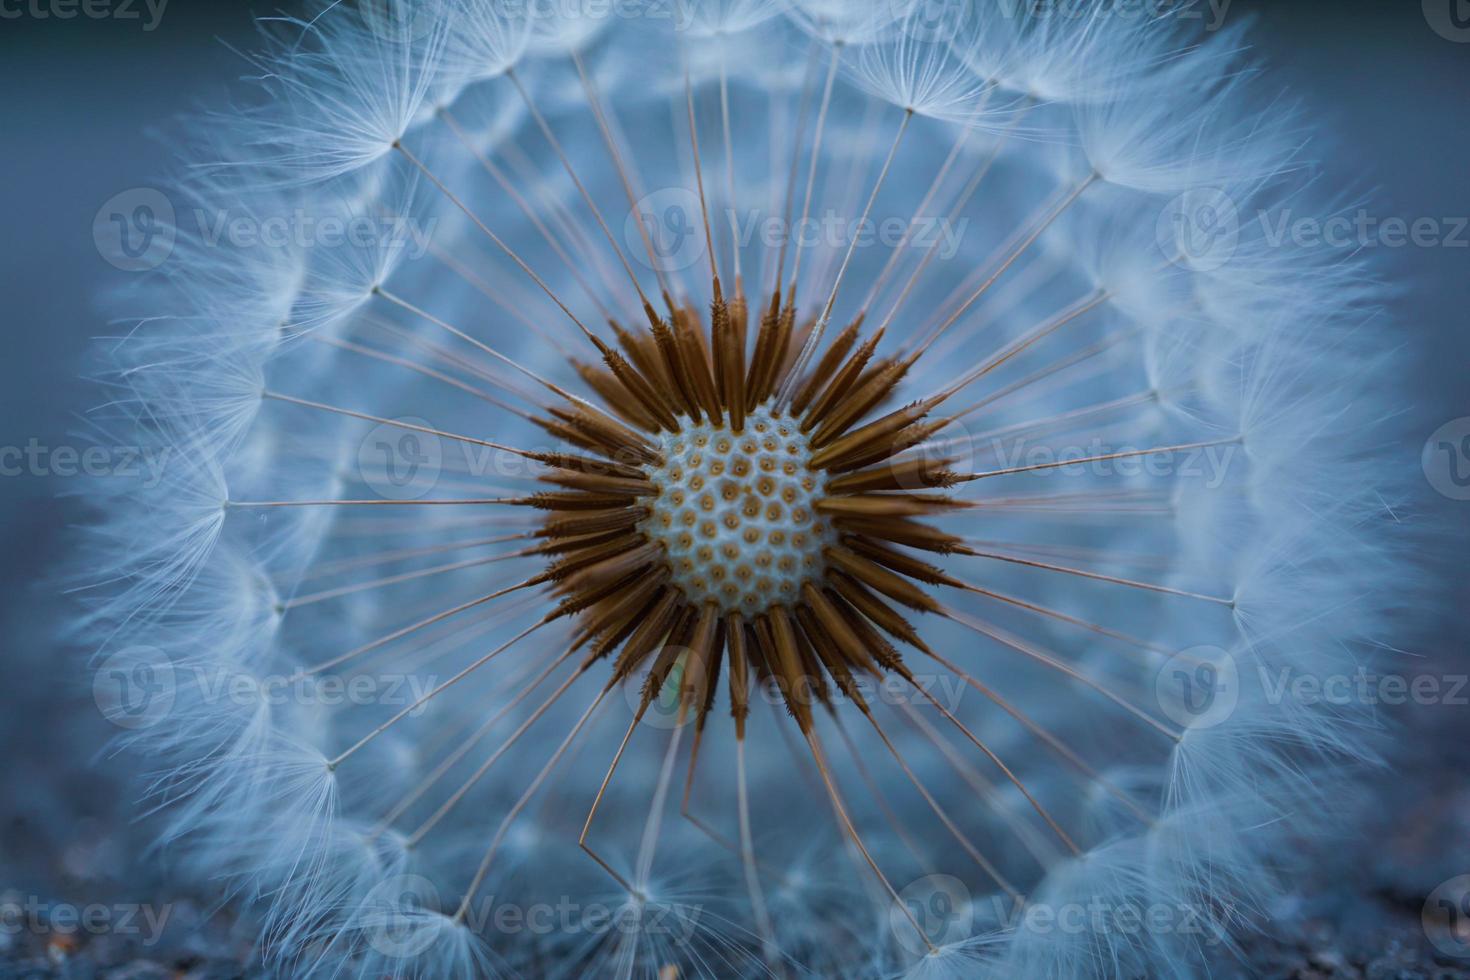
(736, 512)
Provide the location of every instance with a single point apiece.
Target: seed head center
(736, 513)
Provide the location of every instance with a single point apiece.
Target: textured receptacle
(736, 512)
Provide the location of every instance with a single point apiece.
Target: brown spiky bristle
(776, 553)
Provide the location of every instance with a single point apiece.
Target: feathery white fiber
(1154, 426)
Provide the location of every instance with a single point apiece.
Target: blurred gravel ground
(1362, 924)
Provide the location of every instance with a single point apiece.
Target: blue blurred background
(87, 102)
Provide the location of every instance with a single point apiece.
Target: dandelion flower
(747, 488)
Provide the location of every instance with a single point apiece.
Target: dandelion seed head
(782, 409)
(736, 513)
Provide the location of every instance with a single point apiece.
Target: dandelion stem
(747, 863)
(604, 126)
(423, 700)
(1124, 454)
(500, 244)
(996, 759)
(441, 770)
(520, 804)
(581, 188)
(597, 802)
(815, 337)
(1046, 222)
(459, 794)
(1056, 744)
(1015, 643)
(499, 177)
(959, 203)
(388, 580)
(969, 848)
(709, 242)
(811, 174)
(814, 743)
(1098, 576)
